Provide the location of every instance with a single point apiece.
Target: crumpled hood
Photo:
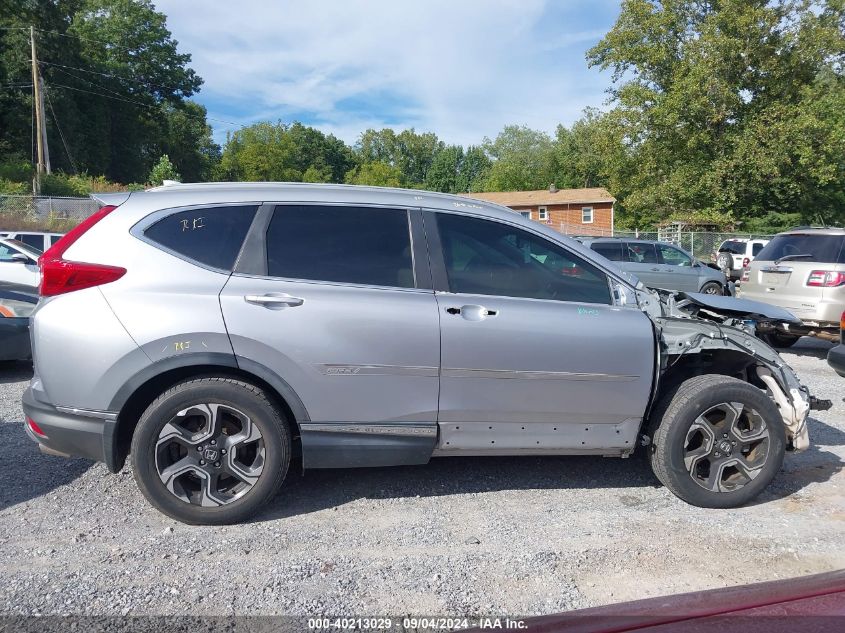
(731, 306)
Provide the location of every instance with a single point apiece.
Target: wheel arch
(137, 394)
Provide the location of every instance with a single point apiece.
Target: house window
(586, 215)
(525, 214)
(543, 214)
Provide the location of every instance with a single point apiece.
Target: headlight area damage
(701, 334)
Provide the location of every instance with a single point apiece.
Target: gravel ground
(457, 537)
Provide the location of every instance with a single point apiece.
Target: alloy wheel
(209, 454)
(726, 447)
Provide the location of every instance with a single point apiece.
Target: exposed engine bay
(701, 333)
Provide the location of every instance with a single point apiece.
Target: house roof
(544, 197)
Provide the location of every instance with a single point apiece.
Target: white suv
(36, 239)
(735, 254)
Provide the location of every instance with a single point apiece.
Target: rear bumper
(88, 434)
(836, 359)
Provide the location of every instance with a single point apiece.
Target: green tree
(288, 153)
(523, 159)
(163, 170)
(377, 173)
(187, 139)
(720, 107)
(445, 169)
(112, 71)
(474, 170)
(410, 152)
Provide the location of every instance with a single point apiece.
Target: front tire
(712, 288)
(718, 441)
(211, 451)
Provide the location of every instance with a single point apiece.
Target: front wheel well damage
(692, 347)
(144, 395)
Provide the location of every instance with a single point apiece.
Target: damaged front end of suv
(702, 334)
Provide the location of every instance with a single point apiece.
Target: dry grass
(15, 222)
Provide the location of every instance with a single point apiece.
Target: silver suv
(217, 331)
(803, 271)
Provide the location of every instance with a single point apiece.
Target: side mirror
(20, 257)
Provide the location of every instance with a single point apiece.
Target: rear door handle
(472, 312)
(274, 300)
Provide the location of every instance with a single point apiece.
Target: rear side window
(30, 239)
(611, 250)
(212, 236)
(357, 245)
(732, 246)
(55, 238)
(808, 247)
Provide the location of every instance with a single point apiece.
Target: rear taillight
(745, 262)
(746, 275)
(35, 428)
(842, 322)
(59, 275)
(825, 279)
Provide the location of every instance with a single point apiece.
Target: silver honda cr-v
(216, 331)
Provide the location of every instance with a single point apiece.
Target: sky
(460, 68)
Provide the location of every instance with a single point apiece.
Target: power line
(138, 103)
(94, 72)
(58, 127)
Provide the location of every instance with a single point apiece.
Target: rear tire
(776, 339)
(717, 442)
(211, 451)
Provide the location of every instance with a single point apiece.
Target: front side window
(489, 258)
(586, 215)
(356, 245)
(212, 236)
(641, 253)
(16, 247)
(672, 256)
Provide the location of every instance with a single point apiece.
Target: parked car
(802, 270)
(836, 356)
(16, 304)
(228, 326)
(18, 262)
(36, 239)
(661, 265)
(734, 255)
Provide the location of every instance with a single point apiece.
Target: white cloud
(462, 69)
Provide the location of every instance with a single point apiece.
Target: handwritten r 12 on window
(193, 225)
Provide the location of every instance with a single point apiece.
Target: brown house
(570, 211)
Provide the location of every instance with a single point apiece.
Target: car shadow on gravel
(809, 347)
(322, 489)
(26, 472)
(15, 371)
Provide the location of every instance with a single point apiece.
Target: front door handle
(274, 300)
(472, 312)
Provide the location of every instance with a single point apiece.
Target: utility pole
(41, 128)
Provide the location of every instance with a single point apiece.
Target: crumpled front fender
(681, 336)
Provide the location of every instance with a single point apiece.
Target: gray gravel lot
(459, 536)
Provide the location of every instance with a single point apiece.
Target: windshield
(824, 249)
(26, 248)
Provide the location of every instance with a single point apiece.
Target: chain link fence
(40, 213)
(702, 244)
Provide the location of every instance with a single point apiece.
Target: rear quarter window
(824, 249)
(212, 236)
